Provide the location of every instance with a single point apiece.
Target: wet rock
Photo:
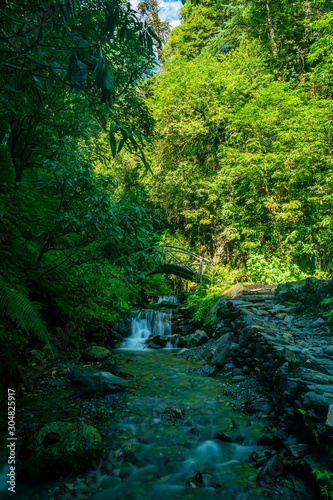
(96, 353)
(256, 406)
(197, 338)
(92, 382)
(202, 481)
(156, 341)
(181, 352)
(60, 449)
(205, 370)
(178, 341)
(223, 436)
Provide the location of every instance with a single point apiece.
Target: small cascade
(147, 323)
(153, 322)
(167, 299)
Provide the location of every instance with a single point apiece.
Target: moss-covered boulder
(60, 449)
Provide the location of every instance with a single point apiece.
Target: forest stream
(173, 434)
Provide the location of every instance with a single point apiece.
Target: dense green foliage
(71, 240)
(237, 129)
(243, 152)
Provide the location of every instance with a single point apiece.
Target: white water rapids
(148, 323)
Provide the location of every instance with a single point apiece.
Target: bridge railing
(183, 258)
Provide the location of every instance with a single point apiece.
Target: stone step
(257, 297)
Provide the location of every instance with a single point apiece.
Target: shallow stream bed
(168, 439)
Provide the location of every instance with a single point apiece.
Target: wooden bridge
(178, 261)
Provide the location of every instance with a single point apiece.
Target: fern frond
(22, 311)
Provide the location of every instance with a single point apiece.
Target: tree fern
(22, 311)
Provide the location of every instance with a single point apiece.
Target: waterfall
(150, 322)
(169, 299)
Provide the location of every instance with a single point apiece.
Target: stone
(299, 450)
(329, 420)
(260, 312)
(197, 339)
(96, 353)
(222, 351)
(60, 449)
(319, 322)
(181, 352)
(258, 406)
(288, 319)
(205, 370)
(278, 308)
(328, 350)
(92, 382)
(318, 402)
(313, 376)
(288, 291)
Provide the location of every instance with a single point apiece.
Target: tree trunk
(270, 28)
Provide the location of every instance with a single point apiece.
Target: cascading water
(168, 299)
(148, 323)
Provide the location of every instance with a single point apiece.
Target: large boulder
(222, 352)
(60, 449)
(96, 353)
(319, 403)
(96, 381)
(197, 338)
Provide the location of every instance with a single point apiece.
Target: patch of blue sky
(170, 10)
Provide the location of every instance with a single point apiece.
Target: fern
(22, 311)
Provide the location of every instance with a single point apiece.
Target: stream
(168, 439)
(165, 438)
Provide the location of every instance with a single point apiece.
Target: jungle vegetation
(116, 136)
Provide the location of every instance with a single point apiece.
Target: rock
(181, 352)
(279, 308)
(288, 291)
(288, 319)
(328, 350)
(96, 353)
(329, 420)
(60, 449)
(92, 382)
(206, 370)
(222, 351)
(156, 340)
(319, 403)
(197, 338)
(260, 312)
(258, 406)
(319, 322)
(313, 376)
(299, 450)
(187, 311)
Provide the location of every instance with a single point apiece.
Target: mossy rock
(231, 293)
(60, 449)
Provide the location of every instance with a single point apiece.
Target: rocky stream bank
(243, 410)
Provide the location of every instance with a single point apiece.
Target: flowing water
(163, 445)
(151, 322)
